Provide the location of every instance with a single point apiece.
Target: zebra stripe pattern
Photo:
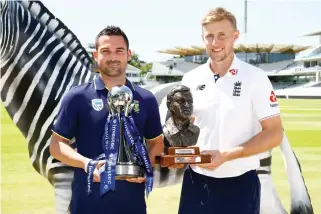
(41, 59)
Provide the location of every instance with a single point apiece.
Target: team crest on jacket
(97, 104)
(136, 106)
(237, 89)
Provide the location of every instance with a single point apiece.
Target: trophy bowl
(120, 97)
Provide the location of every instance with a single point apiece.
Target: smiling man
(83, 115)
(238, 115)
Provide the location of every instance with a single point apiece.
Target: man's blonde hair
(219, 14)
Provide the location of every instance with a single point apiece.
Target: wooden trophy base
(182, 155)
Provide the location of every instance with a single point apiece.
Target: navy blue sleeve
(153, 127)
(65, 122)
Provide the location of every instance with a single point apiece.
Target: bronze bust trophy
(180, 134)
(178, 130)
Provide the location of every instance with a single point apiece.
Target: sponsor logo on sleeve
(273, 100)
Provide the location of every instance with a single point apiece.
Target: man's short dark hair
(176, 89)
(112, 31)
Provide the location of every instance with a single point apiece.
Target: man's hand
(136, 180)
(174, 166)
(96, 174)
(217, 160)
(155, 148)
(192, 119)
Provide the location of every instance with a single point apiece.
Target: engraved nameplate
(185, 152)
(187, 159)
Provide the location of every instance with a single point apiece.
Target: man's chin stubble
(112, 73)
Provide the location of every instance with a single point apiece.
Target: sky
(153, 25)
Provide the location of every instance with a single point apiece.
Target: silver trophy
(120, 100)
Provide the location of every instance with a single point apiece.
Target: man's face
(112, 55)
(219, 38)
(182, 105)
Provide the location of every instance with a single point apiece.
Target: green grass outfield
(25, 191)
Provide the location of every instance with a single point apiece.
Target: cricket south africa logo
(97, 104)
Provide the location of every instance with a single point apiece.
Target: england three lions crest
(97, 104)
(237, 89)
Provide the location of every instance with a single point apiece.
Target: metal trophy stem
(126, 167)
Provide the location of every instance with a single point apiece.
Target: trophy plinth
(182, 155)
(182, 150)
(128, 170)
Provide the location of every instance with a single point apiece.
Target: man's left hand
(217, 159)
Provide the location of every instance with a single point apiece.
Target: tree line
(142, 65)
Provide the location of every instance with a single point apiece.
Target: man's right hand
(96, 174)
(176, 166)
(192, 119)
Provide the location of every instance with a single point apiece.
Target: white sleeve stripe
(273, 115)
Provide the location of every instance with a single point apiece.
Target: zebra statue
(41, 59)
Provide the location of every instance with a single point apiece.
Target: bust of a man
(178, 129)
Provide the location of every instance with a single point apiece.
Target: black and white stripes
(40, 65)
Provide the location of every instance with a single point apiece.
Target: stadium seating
(276, 66)
(172, 68)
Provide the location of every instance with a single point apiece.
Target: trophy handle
(129, 109)
(110, 109)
